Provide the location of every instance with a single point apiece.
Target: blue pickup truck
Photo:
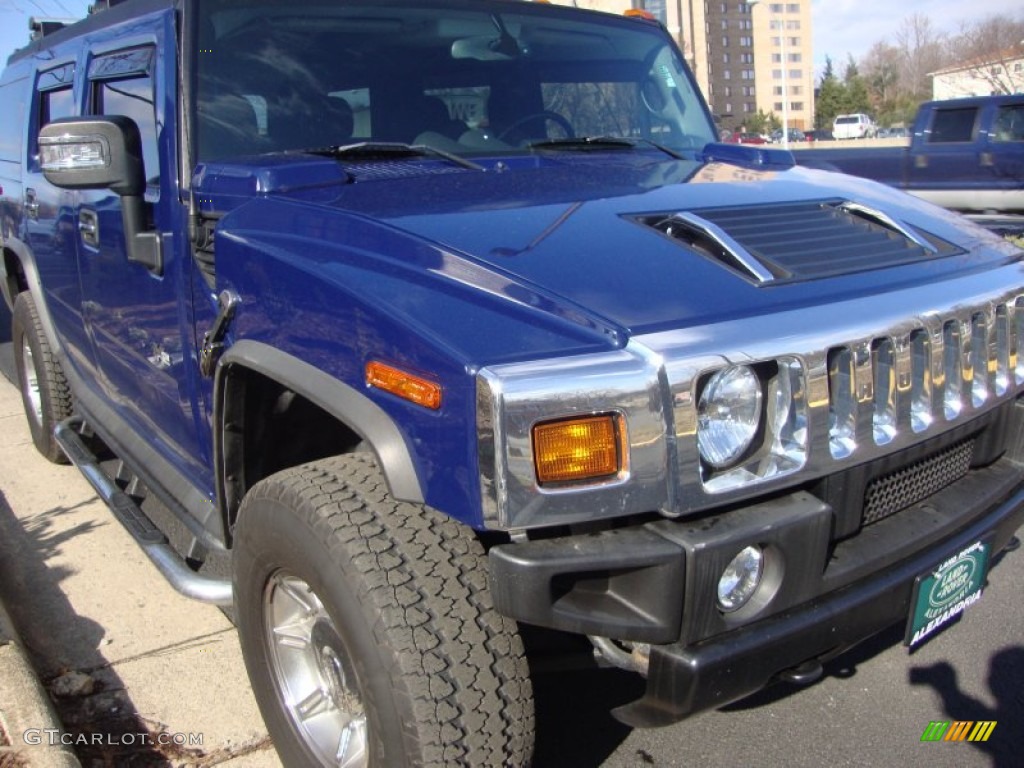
(399, 326)
(964, 154)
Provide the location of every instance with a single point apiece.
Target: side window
(953, 125)
(55, 104)
(54, 99)
(122, 84)
(1009, 125)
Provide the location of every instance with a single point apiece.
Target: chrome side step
(146, 534)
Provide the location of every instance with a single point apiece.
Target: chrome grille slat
(922, 412)
(975, 365)
(1001, 350)
(1017, 340)
(952, 391)
(884, 412)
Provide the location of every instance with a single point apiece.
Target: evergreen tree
(855, 98)
(831, 97)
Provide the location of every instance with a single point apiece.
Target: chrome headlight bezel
(779, 446)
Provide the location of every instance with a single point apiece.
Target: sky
(14, 16)
(841, 27)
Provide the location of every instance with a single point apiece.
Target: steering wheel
(544, 115)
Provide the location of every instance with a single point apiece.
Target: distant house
(1002, 72)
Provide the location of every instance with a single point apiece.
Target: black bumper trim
(623, 583)
(684, 680)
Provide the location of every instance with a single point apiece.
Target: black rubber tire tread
(55, 394)
(459, 679)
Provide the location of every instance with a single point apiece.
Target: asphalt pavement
(133, 672)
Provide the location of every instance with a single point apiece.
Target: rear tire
(45, 393)
(366, 624)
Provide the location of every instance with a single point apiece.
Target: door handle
(89, 226)
(31, 204)
(986, 160)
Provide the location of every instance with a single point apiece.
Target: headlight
(728, 415)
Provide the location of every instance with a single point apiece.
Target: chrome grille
(939, 371)
(896, 491)
(879, 375)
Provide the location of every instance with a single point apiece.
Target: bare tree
(989, 49)
(881, 70)
(922, 49)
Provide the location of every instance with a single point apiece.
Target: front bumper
(655, 583)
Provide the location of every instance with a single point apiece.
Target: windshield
(467, 78)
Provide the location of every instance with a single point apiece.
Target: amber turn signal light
(403, 384)
(575, 450)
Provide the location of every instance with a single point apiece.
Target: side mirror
(93, 153)
(104, 153)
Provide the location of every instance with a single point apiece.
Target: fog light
(740, 579)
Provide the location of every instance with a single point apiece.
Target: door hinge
(213, 339)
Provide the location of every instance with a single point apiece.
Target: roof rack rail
(39, 27)
(103, 5)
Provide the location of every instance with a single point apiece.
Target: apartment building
(747, 56)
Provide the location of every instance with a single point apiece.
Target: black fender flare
(342, 401)
(28, 265)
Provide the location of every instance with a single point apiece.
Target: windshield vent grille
(800, 241)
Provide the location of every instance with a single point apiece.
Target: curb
(25, 709)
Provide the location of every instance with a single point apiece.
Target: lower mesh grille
(889, 494)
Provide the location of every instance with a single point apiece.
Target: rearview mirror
(104, 153)
(93, 153)
(486, 48)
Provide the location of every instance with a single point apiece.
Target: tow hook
(804, 674)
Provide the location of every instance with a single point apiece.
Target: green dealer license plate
(944, 593)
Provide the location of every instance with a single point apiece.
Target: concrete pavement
(25, 708)
(134, 670)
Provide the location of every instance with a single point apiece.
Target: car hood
(635, 240)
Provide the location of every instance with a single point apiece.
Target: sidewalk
(133, 670)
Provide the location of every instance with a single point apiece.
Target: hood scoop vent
(769, 244)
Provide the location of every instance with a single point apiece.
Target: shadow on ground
(574, 699)
(64, 647)
(1006, 684)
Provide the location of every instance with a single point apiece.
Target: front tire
(45, 393)
(367, 628)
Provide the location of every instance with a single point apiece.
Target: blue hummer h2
(435, 319)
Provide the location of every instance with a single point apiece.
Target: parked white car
(856, 126)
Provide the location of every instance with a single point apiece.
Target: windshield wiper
(578, 143)
(391, 150)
